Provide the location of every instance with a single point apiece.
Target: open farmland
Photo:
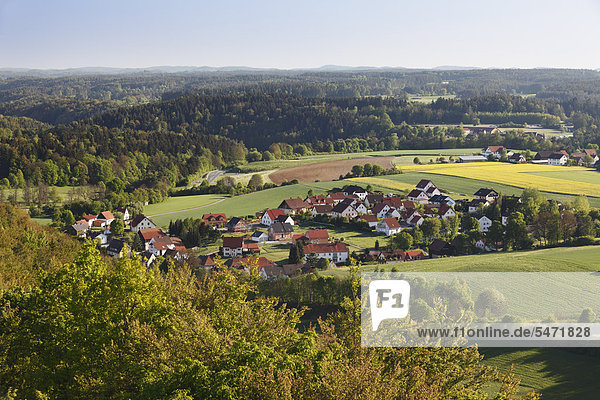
(325, 171)
(519, 175)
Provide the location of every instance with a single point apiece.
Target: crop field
(519, 175)
(325, 171)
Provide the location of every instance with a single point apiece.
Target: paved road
(189, 209)
(210, 176)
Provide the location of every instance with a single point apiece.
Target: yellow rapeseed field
(519, 175)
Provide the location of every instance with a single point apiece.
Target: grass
(556, 373)
(247, 204)
(182, 203)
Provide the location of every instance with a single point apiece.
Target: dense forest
(137, 136)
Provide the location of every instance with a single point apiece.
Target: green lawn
(572, 175)
(356, 240)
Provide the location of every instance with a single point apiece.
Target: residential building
(495, 151)
(79, 228)
(285, 219)
(106, 216)
(115, 248)
(294, 206)
(233, 246)
(141, 222)
(321, 209)
(389, 226)
(259, 236)
(148, 234)
(280, 231)
(489, 195)
(270, 216)
(236, 224)
(317, 236)
(125, 213)
(372, 199)
(372, 220)
(344, 210)
(336, 252)
(215, 220)
(484, 223)
(441, 248)
(558, 159)
(517, 158)
(418, 196)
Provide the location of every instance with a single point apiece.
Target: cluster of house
(551, 157)
(156, 242)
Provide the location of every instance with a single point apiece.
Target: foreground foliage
(96, 329)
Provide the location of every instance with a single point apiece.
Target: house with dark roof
(517, 158)
(424, 185)
(233, 246)
(115, 248)
(141, 222)
(558, 158)
(336, 252)
(473, 205)
(280, 231)
(442, 199)
(237, 224)
(418, 196)
(372, 199)
(214, 220)
(259, 236)
(294, 206)
(357, 191)
(285, 219)
(543, 155)
(441, 248)
(322, 209)
(412, 217)
(345, 210)
(486, 194)
(398, 203)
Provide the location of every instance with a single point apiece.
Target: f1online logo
(389, 300)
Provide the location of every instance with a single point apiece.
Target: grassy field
(182, 203)
(556, 373)
(247, 204)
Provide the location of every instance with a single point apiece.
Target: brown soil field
(325, 171)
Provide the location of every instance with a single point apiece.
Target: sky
(299, 34)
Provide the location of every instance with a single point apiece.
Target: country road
(210, 176)
(189, 209)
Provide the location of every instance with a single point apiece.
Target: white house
(413, 217)
(380, 210)
(558, 159)
(389, 226)
(445, 211)
(360, 208)
(496, 151)
(418, 196)
(270, 216)
(425, 185)
(141, 222)
(233, 246)
(484, 224)
(336, 252)
(344, 210)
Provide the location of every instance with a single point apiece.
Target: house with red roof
(214, 220)
(418, 196)
(496, 151)
(370, 219)
(336, 252)
(294, 206)
(233, 246)
(389, 226)
(270, 216)
(107, 217)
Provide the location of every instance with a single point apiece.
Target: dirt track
(325, 171)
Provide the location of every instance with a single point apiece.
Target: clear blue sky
(302, 33)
